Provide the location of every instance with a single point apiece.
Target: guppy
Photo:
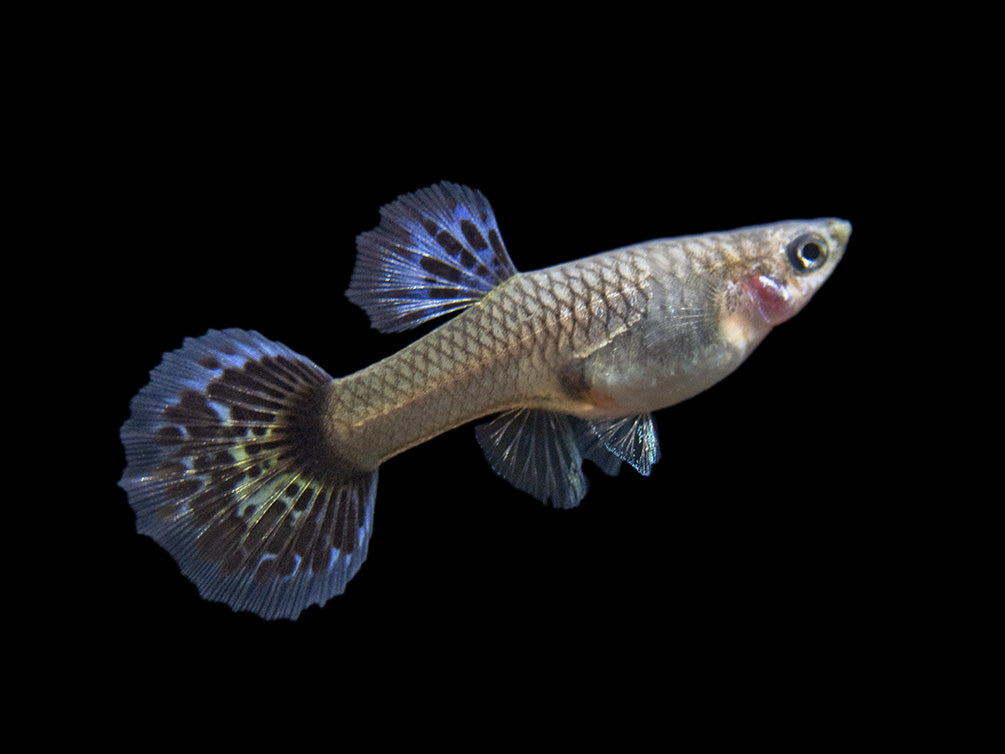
(257, 471)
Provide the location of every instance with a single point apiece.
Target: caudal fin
(228, 471)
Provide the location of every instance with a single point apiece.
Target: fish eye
(806, 253)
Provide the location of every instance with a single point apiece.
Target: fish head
(775, 271)
(785, 266)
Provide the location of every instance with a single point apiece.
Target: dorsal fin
(437, 250)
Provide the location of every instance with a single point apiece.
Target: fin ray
(592, 448)
(632, 439)
(226, 471)
(436, 251)
(537, 452)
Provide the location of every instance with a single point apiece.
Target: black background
(761, 540)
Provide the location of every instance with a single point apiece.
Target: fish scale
(258, 471)
(514, 342)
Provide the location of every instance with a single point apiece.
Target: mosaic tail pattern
(226, 472)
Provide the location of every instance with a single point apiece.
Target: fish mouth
(840, 230)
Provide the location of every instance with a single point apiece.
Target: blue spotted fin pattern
(226, 472)
(435, 251)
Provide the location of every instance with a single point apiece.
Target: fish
(257, 470)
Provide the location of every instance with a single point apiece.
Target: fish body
(258, 471)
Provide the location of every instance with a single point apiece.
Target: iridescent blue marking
(419, 263)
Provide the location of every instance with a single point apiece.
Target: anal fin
(537, 452)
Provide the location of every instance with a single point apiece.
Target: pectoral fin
(632, 439)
